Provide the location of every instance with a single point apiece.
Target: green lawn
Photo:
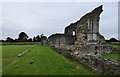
(10, 53)
(112, 56)
(45, 62)
(116, 46)
(0, 61)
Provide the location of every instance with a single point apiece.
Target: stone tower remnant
(87, 31)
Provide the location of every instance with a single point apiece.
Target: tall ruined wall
(87, 28)
(87, 31)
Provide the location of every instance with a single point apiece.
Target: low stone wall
(87, 49)
(60, 39)
(97, 62)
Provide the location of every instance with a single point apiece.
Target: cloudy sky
(36, 18)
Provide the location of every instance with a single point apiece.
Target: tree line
(112, 40)
(23, 37)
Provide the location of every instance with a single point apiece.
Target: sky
(119, 21)
(36, 18)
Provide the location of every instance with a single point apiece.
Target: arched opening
(73, 33)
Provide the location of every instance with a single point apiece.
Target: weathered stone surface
(61, 39)
(106, 66)
(86, 30)
(70, 29)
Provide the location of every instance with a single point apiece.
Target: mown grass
(116, 46)
(0, 61)
(10, 53)
(113, 55)
(45, 62)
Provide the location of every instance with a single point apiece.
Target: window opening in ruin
(73, 33)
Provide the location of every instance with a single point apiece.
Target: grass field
(116, 46)
(45, 62)
(0, 61)
(113, 55)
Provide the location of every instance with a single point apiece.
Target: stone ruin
(84, 42)
(83, 35)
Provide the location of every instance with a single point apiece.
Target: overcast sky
(48, 18)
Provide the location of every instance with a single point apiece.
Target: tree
(113, 40)
(9, 39)
(2, 41)
(38, 39)
(30, 40)
(23, 37)
(16, 40)
(34, 39)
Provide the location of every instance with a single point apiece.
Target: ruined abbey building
(85, 44)
(82, 36)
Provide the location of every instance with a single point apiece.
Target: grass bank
(40, 60)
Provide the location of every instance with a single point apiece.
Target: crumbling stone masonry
(83, 38)
(87, 31)
(84, 34)
(61, 39)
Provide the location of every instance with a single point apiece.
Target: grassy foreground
(44, 62)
